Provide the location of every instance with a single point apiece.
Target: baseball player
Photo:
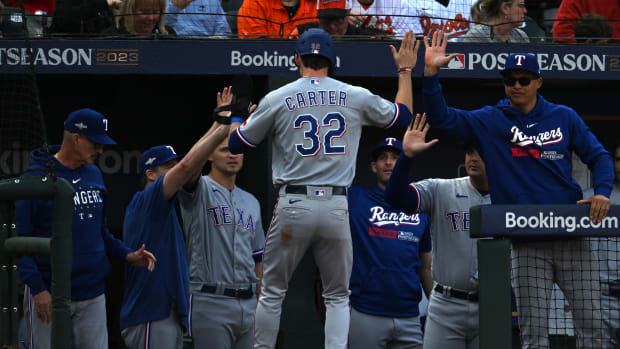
(225, 242)
(391, 253)
(316, 123)
(526, 143)
(452, 320)
(607, 252)
(155, 306)
(83, 139)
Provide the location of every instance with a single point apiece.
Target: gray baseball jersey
(223, 230)
(447, 201)
(316, 125)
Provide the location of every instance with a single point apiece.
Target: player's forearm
(425, 274)
(404, 95)
(187, 168)
(398, 193)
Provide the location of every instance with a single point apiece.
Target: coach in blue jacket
(86, 132)
(526, 143)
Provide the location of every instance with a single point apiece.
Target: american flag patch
(319, 192)
(315, 81)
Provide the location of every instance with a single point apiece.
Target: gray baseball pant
(570, 263)
(88, 317)
(381, 332)
(161, 334)
(320, 223)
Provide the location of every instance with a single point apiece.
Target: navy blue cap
(522, 61)
(156, 156)
(388, 143)
(91, 124)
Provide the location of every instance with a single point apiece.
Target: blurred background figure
(334, 18)
(571, 10)
(273, 18)
(141, 17)
(383, 17)
(593, 29)
(197, 17)
(83, 17)
(497, 21)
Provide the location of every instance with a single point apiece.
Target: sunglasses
(523, 81)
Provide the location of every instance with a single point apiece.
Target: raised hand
(407, 54)
(414, 140)
(435, 55)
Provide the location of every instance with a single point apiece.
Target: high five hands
(435, 55)
(414, 140)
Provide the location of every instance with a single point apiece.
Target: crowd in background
(567, 21)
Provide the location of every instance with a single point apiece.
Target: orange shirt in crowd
(270, 18)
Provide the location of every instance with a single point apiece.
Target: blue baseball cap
(91, 124)
(388, 143)
(156, 156)
(522, 61)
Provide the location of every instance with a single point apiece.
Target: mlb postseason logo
(458, 62)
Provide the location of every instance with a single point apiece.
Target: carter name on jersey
(318, 98)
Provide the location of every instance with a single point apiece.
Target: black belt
(244, 293)
(614, 292)
(302, 189)
(450, 292)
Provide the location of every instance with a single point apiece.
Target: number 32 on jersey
(311, 127)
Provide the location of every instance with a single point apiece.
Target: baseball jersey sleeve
(378, 111)
(257, 126)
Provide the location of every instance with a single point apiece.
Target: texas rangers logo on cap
(156, 156)
(522, 61)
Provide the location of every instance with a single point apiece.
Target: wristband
(405, 69)
(223, 120)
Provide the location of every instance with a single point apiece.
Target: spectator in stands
(497, 21)
(383, 17)
(141, 17)
(274, 18)
(333, 18)
(592, 28)
(571, 10)
(197, 17)
(37, 7)
(83, 16)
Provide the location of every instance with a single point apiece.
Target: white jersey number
(311, 128)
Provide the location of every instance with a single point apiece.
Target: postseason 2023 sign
(276, 57)
(558, 221)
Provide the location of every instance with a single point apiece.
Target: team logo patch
(408, 236)
(315, 48)
(458, 62)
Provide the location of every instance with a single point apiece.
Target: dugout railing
(495, 226)
(58, 247)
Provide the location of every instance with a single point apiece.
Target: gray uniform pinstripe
(223, 231)
(315, 124)
(607, 252)
(451, 323)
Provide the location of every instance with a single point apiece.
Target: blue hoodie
(527, 156)
(92, 242)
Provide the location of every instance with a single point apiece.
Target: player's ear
(297, 60)
(373, 167)
(539, 81)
